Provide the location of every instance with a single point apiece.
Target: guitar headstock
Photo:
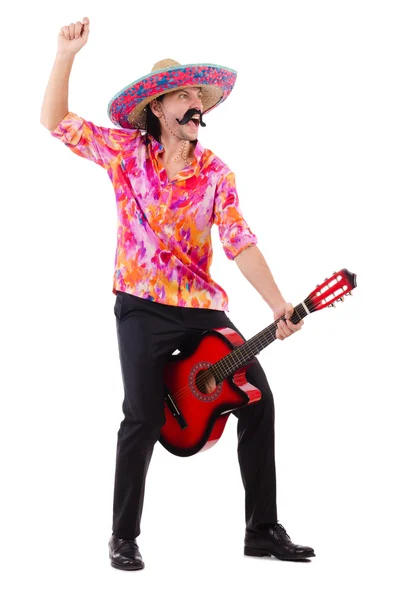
(333, 289)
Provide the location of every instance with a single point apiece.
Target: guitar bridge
(175, 410)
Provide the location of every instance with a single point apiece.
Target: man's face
(174, 106)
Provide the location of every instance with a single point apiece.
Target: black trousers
(148, 333)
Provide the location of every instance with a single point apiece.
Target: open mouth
(195, 121)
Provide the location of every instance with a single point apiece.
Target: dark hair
(152, 122)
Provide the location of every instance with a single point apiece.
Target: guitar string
(230, 362)
(271, 330)
(232, 359)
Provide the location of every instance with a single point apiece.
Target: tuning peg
(332, 304)
(349, 294)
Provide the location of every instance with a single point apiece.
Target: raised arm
(55, 104)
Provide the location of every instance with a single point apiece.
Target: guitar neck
(244, 353)
(334, 289)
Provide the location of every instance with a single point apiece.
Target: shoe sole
(127, 568)
(260, 553)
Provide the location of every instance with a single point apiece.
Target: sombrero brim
(126, 108)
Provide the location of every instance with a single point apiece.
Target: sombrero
(127, 108)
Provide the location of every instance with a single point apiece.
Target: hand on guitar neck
(285, 327)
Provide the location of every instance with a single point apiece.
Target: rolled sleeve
(234, 231)
(99, 144)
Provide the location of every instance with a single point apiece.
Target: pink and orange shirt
(164, 249)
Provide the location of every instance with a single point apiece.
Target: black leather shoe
(274, 540)
(124, 554)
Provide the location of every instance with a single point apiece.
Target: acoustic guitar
(204, 385)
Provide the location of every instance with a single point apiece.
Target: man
(169, 192)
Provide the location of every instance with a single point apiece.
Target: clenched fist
(73, 37)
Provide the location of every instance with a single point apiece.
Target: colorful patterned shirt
(164, 249)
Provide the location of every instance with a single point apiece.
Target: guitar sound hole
(205, 382)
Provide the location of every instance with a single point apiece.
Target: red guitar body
(204, 415)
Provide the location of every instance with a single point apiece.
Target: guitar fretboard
(243, 354)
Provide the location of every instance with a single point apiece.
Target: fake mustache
(189, 114)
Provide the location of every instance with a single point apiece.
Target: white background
(310, 130)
